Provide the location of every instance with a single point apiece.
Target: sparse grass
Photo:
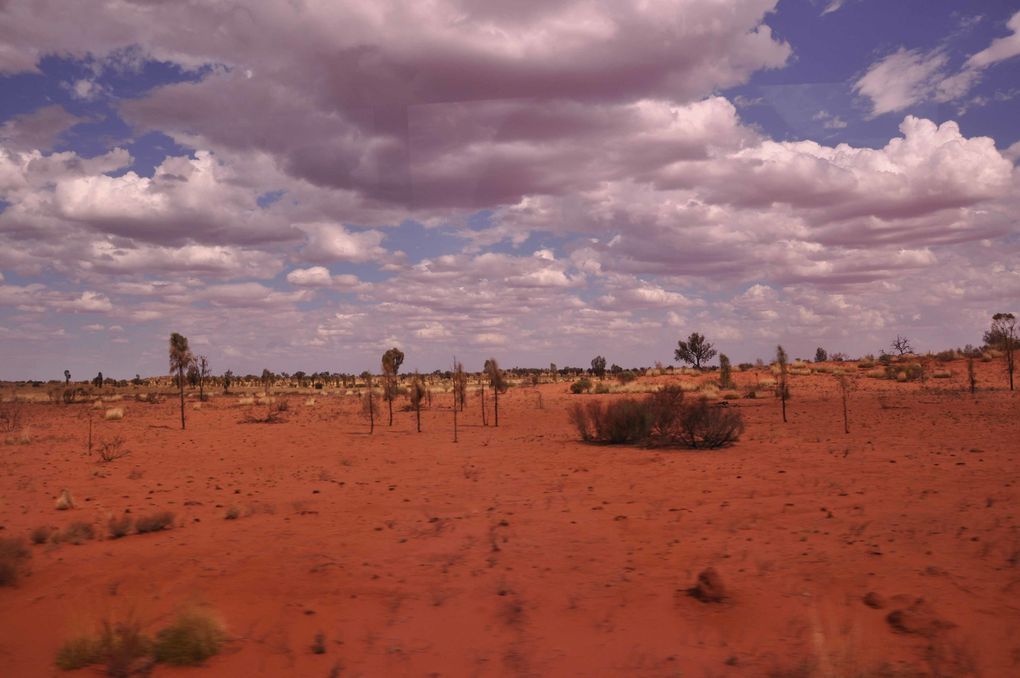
(14, 554)
(155, 522)
(193, 637)
(111, 450)
(119, 646)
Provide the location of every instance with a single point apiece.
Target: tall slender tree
(391, 362)
(497, 382)
(459, 385)
(417, 393)
(1003, 336)
(203, 372)
(180, 360)
(67, 377)
(783, 387)
(368, 404)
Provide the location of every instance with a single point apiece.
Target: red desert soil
(520, 551)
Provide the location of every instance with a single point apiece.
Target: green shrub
(193, 637)
(581, 386)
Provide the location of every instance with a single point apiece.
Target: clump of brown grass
(194, 636)
(155, 522)
(114, 414)
(121, 646)
(14, 554)
(78, 533)
(120, 526)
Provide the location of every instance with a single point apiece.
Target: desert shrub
(581, 386)
(194, 636)
(614, 422)
(941, 374)
(625, 377)
(233, 513)
(282, 406)
(114, 414)
(118, 645)
(155, 522)
(14, 554)
(78, 533)
(702, 426)
(601, 389)
(10, 416)
(662, 418)
(112, 449)
(945, 356)
(119, 527)
(865, 364)
(41, 534)
(745, 367)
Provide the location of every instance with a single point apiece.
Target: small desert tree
(459, 385)
(203, 373)
(416, 394)
(725, 372)
(1003, 336)
(497, 382)
(694, 351)
(228, 379)
(598, 366)
(902, 345)
(192, 374)
(783, 385)
(553, 372)
(821, 355)
(267, 380)
(180, 360)
(459, 390)
(971, 374)
(391, 362)
(67, 377)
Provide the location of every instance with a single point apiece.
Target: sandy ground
(520, 551)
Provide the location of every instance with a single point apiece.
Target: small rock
(64, 501)
(709, 588)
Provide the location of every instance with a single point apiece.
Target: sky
(301, 185)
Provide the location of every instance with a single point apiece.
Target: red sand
(520, 551)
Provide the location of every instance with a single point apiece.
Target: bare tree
(391, 362)
(902, 345)
(971, 374)
(180, 360)
(497, 382)
(694, 351)
(783, 386)
(459, 385)
(368, 401)
(1003, 336)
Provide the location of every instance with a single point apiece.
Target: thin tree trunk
(455, 415)
(180, 383)
(484, 422)
(495, 395)
(417, 413)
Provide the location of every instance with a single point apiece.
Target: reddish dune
(520, 551)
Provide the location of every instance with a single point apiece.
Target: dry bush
(78, 533)
(120, 527)
(41, 534)
(14, 554)
(663, 418)
(10, 416)
(121, 646)
(193, 637)
(112, 449)
(614, 423)
(155, 522)
(702, 426)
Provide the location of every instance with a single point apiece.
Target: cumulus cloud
(908, 77)
(39, 129)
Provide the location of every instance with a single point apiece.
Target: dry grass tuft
(14, 554)
(155, 522)
(78, 533)
(193, 637)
